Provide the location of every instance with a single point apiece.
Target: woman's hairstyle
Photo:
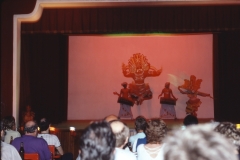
(8, 122)
(97, 142)
(156, 131)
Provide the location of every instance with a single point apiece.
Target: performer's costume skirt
(192, 106)
(125, 111)
(167, 111)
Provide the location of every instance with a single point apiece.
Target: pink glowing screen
(95, 72)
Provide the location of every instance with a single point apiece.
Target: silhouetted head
(189, 120)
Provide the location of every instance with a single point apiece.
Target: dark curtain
(227, 77)
(43, 81)
(8, 8)
(147, 19)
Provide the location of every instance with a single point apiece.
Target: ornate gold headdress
(138, 60)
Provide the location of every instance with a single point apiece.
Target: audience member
(8, 152)
(97, 142)
(121, 132)
(155, 132)
(230, 131)
(110, 118)
(52, 139)
(140, 126)
(10, 129)
(198, 142)
(32, 144)
(190, 119)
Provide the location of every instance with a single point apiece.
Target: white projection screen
(95, 72)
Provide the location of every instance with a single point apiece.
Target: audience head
(121, 132)
(111, 118)
(30, 128)
(140, 123)
(230, 131)
(44, 124)
(2, 131)
(43, 120)
(156, 131)
(190, 119)
(9, 123)
(198, 142)
(97, 142)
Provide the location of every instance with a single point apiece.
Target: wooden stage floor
(81, 124)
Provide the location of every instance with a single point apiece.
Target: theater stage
(81, 124)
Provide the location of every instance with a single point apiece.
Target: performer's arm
(179, 88)
(160, 94)
(173, 95)
(115, 93)
(204, 94)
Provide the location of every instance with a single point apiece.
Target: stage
(81, 124)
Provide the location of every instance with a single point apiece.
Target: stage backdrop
(95, 72)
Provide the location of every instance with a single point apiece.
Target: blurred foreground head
(198, 142)
(97, 142)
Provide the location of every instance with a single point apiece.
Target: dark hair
(97, 142)
(44, 125)
(156, 131)
(8, 122)
(140, 123)
(190, 119)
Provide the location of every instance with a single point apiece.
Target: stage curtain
(226, 77)
(43, 80)
(137, 20)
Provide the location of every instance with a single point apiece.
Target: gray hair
(198, 142)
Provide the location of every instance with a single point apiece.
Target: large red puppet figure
(138, 68)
